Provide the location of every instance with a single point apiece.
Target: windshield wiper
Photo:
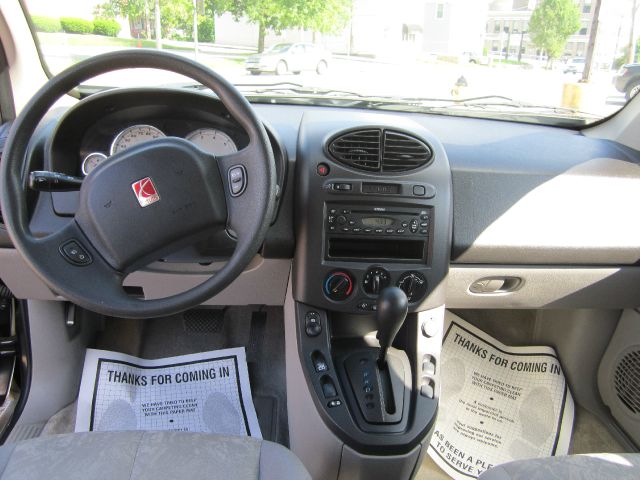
(283, 88)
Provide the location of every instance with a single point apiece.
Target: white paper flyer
(497, 403)
(202, 392)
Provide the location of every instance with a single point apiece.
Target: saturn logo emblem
(145, 191)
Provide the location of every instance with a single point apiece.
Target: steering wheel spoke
(70, 255)
(245, 196)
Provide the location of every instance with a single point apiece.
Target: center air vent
(376, 150)
(402, 152)
(359, 149)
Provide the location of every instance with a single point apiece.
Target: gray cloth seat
(148, 455)
(602, 466)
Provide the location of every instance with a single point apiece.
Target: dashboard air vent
(402, 152)
(358, 149)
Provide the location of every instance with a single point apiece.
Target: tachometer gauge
(212, 141)
(91, 161)
(134, 135)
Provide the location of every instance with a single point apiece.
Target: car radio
(358, 232)
(405, 221)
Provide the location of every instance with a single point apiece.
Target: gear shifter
(392, 311)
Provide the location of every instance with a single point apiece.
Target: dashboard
(493, 199)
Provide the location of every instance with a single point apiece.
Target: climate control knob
(414, 285)
(338, 286)
(375, 280)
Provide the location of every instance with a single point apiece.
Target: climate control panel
(339, 285)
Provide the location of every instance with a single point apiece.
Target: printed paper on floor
(497, 403)
(203, 392)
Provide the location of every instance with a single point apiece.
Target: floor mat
(202, 392)
(498, 403)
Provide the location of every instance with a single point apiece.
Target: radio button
(332, 228)
(424, 231)
(352, 222)
(356, 230)
(405, 224)
(333, 211)
(346, 229)
(368, 230)
(342, 220)
(379, 230)
(344, 211)
(390, 230)
(400, 230)
(424, 216)
(424, 224)
(414, 225)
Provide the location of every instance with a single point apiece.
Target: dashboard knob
(338, 286)
(375, 280)
(414, 285)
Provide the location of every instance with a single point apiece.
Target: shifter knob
(391, 313)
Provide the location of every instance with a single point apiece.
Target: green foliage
(624, 58)
(106, 26)
(205, 29)
(552, 23)
(46, 24)
(324, 16)
(76, 25)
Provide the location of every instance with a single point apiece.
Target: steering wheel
(146, 201)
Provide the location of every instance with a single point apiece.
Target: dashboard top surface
(522, 194)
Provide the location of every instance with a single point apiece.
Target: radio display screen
(377, 221)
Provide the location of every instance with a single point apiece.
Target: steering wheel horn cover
(189, 192)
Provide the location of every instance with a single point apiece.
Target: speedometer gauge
(134, 135)
(213, 141)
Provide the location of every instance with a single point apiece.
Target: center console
(373, 223)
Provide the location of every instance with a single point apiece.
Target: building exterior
(454, 27)
(508, 24)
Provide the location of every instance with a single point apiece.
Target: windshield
(279, 48)
(563, 62)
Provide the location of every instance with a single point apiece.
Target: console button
(430, 327)
(237, 180)
(334, 403)
(419, 190)
(323, 169)
(312, 324)
(74, 253)
(427, 390)
(367, 305)
(428, 365)
(343, 186)
(319, 363)
(329, 389)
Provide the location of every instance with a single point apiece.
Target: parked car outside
(627, 80)
(575, 65)
(284, 58)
